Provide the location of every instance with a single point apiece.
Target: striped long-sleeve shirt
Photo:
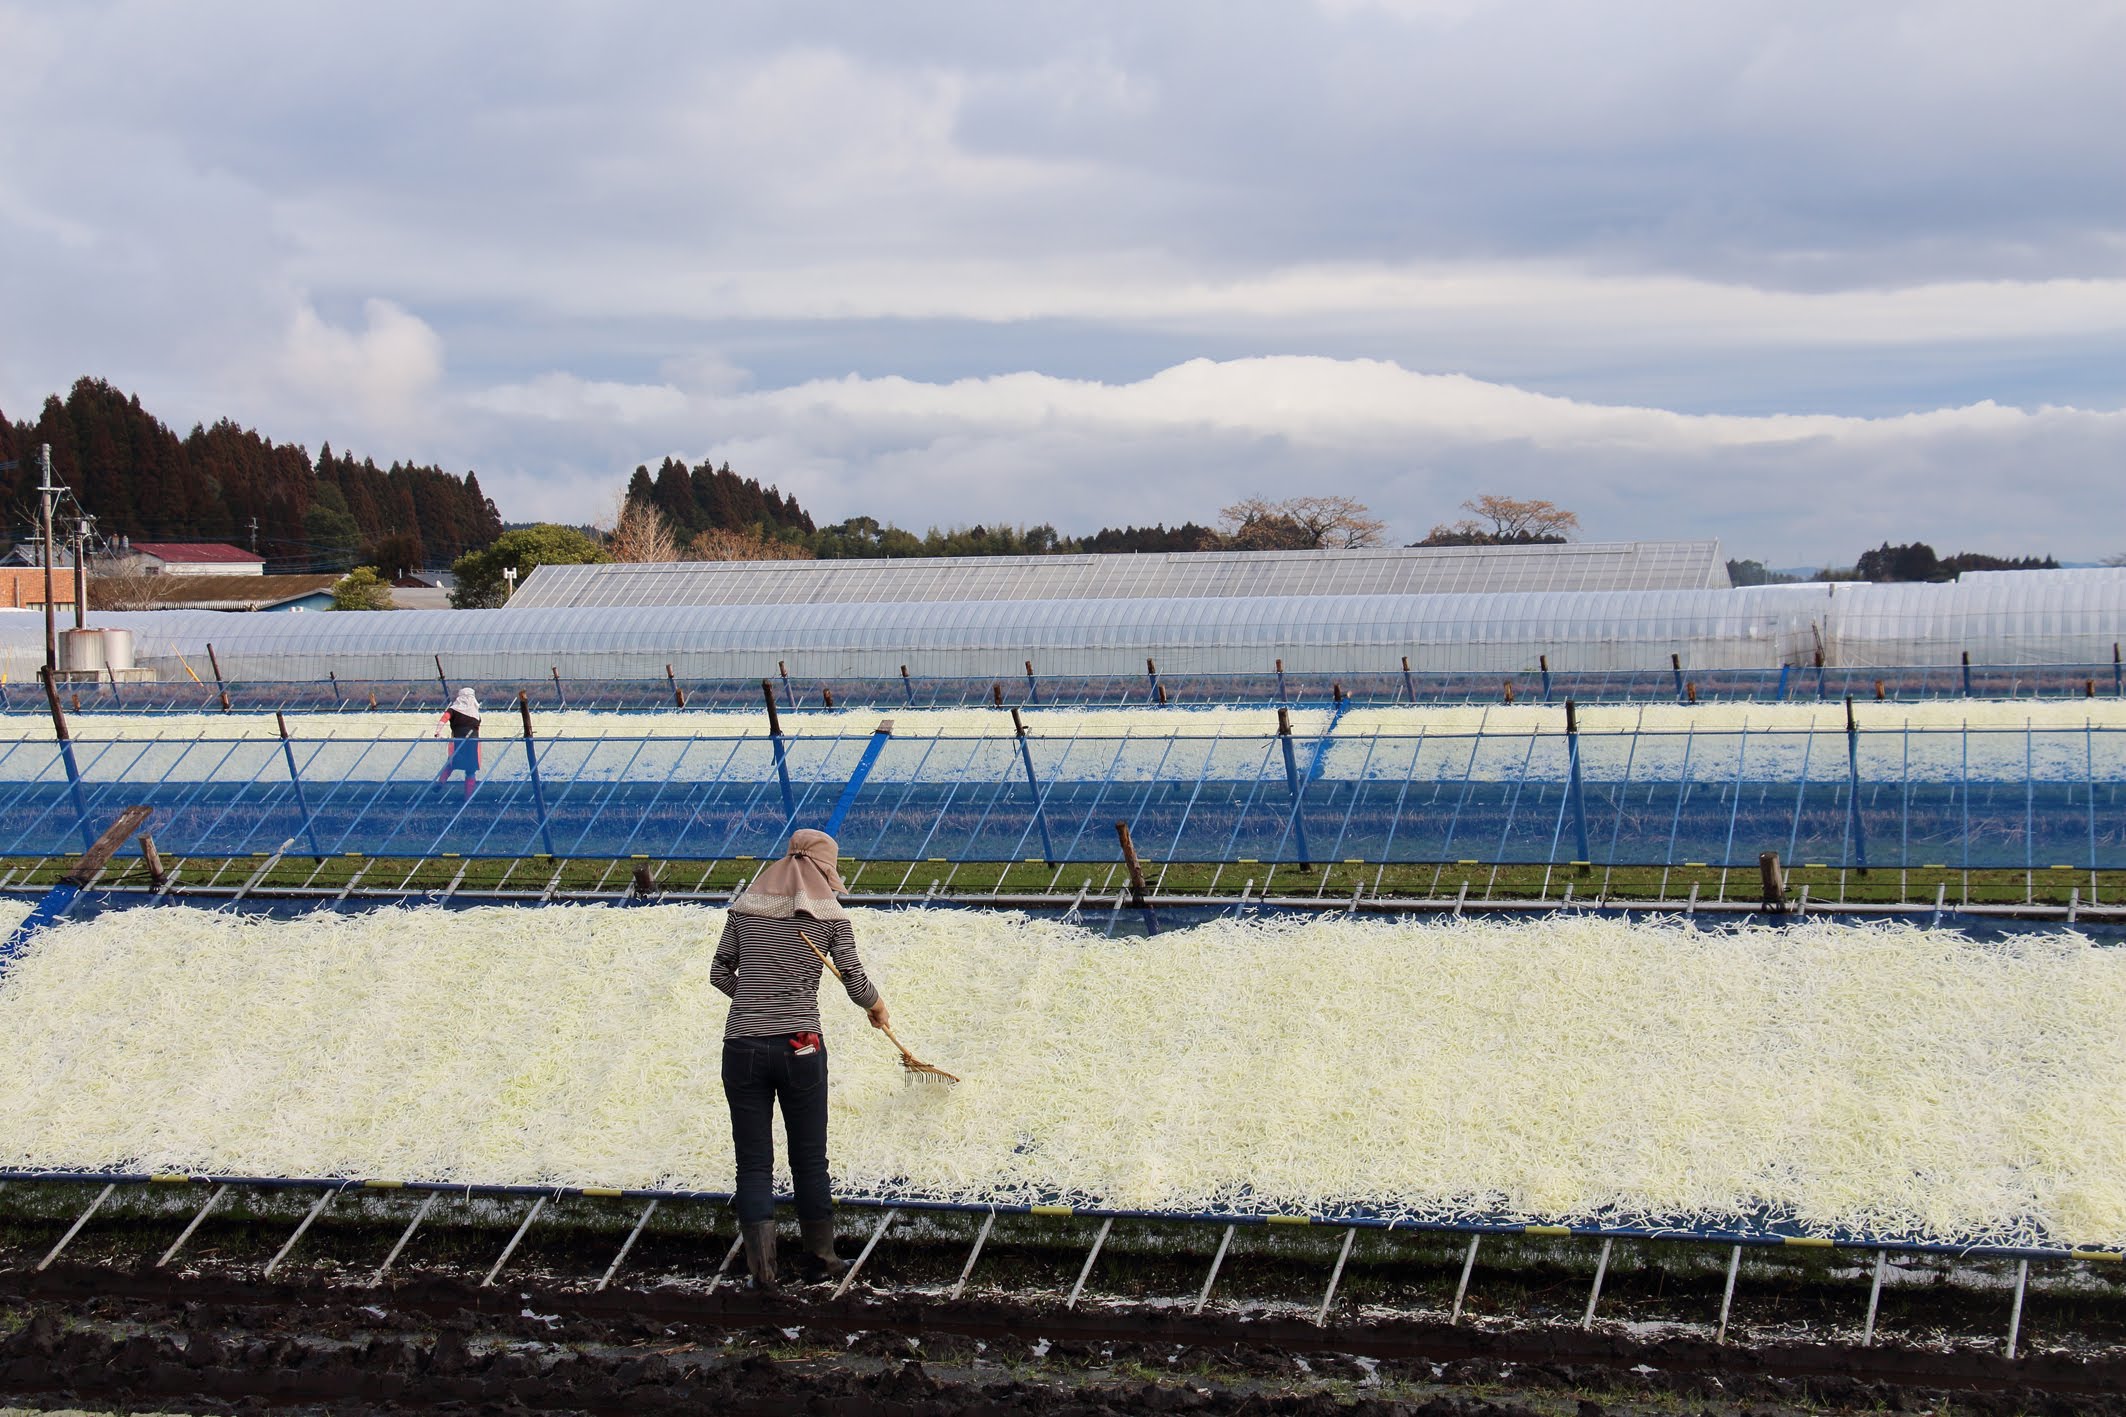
(772, 976)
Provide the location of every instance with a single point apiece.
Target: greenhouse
(2050, 618)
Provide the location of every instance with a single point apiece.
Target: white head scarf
(465, 703)
(805, 881)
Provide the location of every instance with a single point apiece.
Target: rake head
(915, 1070)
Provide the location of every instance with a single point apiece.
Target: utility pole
(51, 628)
(254, 536)
(81, 571)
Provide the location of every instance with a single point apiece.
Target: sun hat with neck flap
(804, 882)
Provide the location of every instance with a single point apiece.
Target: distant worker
(463, 718)
(772, 1051)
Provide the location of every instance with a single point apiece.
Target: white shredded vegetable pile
(1882, 1080)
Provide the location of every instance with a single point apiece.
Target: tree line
(141, 481)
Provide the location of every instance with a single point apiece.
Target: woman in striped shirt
(772, 1050)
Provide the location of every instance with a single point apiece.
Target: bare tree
(639, 532)
(124, 583)
(745, 544)
(1300, 524)
(1506, 521)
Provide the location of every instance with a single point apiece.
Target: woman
(772, 1051)
(463, 716)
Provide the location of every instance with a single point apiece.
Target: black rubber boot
(818, 1263)
(759, 1239)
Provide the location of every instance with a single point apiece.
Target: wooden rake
(915, 1067)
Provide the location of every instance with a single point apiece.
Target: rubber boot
(819, 1264)
(759, 1239)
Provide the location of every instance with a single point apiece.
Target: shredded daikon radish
(1884, 1081)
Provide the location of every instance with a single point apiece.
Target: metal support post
(560, 696)
(440, 679)
(625, 1245)
(1218, 1260)
(317, 853)
(1852, 768)
(186, 1234)
(1727, 1295)
(1409, 685)
(531, 763)
(880, 736)
(1033, 785)
(1967, 674)
(1867, 1330)
(1572, 763)
(907, 686)
(981, 1238)
(856, 1267)
(75, 1229)
(782, 764)
(1291, 782)
(66, 755)
(1675, 665)
(1461, 1290)
(300, 1231)
(332, 677)
(514, 1240)
(2015, 1315)
(1779, 694)
(220, 687)
(1090, 1259)
(1543, 663)
(1594, 1292)
(1136, 878)
(427, 1204)
(1321, 1317)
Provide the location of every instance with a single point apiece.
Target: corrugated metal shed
(1416, 570)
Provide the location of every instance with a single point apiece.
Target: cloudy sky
(1802, 276)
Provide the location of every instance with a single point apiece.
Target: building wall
(23, 587)
(155, 565)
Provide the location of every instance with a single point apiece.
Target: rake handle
(910, 1057)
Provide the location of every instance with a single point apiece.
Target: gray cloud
(550, 243)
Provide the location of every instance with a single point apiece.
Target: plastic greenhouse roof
(1423, 570)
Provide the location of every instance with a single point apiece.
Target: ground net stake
(186, 1234)
(731, 1254)
(66, 754)
(1727, 1295)
(1594, 1294)
(300, 1231)
(1572, 762)
(1867, 1330)
(1461, 1290)
(1852, 768)
(1321, 1319)
(427, 1204)
(97, 1204)
(1204, 1296)
(1086, 1273)
(2015, 1315)
(849, 1276)
(981, 1238)
(625, 1245)
(514, 1241)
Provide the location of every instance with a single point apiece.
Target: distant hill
(140, 480)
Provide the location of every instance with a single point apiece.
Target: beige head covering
(804, 882)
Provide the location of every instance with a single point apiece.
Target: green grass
(1826, 886)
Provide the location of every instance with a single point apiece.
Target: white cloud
(387, 371)
(1180, 443)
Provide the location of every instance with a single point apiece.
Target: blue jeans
(757, 1074)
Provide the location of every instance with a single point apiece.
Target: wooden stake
(1129, 859)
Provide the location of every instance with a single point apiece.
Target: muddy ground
(105, 1328)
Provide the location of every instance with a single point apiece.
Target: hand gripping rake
(916, 1068)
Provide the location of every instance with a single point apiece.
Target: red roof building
(197, 558)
